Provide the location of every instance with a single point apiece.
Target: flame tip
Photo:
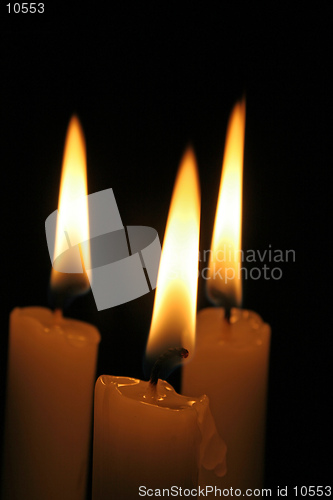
(226, 239)
(189, 149)
(189, 154)
(75, 123)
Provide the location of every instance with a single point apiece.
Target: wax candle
(230, 363)
(144, 443)
(146, 435)
(52, 362)
(52, 366)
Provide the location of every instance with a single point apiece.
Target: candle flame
(225, 258)
(173, 321)
(73, 218)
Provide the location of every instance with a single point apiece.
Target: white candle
(230, 363)
(51, 371)
(158, 440)
(52, 362)
(150, 442)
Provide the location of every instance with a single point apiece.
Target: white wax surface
(51, 373)
(152, 441)
(230, 365)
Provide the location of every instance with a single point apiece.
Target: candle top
(51, 323)
(141, 391)
(245, 330)
(163, 408)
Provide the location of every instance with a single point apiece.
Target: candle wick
(227, 314)
(219, 299)
(69, 285)
(57, 316)
(151, 392)
(166, 362)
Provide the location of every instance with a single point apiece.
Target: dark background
(145, 82)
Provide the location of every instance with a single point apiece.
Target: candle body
(150, 442)
(230, 365)
(51, 372)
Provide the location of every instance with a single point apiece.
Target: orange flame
(173, 321)
(73, 211)
(225, 258)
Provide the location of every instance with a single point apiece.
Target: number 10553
(25, 8)
(311, 491)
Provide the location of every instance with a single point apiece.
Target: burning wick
(227, 309)
(220, 300)
(166, 362)
(69, 286)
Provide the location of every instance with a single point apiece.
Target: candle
(146, 437)
(52, 364)
(51, 371)
(144, 443)
(230, 363)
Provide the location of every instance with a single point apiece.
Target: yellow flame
(73, 203)
(173, 321)
(225, 257)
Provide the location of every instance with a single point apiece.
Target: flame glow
(225, 258)
(73, 204)
(173, 321)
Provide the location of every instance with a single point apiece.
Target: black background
(145, 81)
